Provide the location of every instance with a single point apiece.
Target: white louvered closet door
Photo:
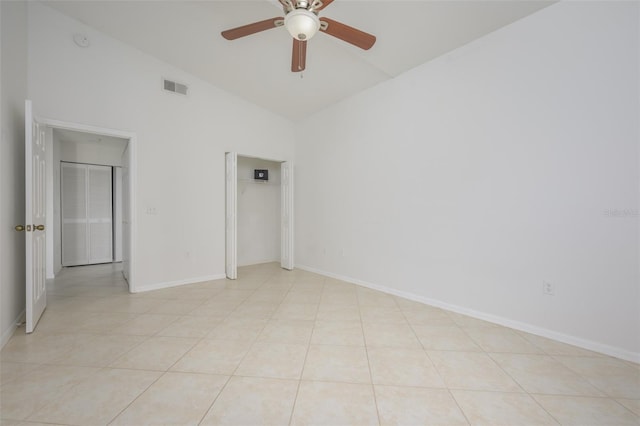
(87, 236)
(74, 214)
(100, 214)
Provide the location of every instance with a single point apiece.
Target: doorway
(112, 154)
(88, 200)
(259, 219)
(39, 220)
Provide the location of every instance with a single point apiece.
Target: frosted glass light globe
(302, 24)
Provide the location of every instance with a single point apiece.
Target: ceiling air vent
(172, 86)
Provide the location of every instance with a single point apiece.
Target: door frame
(289, 217)
(231, 215)
(131, 150)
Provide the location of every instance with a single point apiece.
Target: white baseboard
(517, 325)
(6, 334)
(167, 284)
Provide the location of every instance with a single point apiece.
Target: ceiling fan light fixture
(302, 24)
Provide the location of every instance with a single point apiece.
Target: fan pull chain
(300, 59)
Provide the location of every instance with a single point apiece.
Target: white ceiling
(186, 34)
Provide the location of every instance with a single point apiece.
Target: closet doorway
(259, 219)
(87, 214)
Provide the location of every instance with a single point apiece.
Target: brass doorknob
(19, 228)
(39, 227)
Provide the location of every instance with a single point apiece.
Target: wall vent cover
(172, 86)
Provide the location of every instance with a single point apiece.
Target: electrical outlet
(547, 288)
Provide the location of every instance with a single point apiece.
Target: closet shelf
(258, 182)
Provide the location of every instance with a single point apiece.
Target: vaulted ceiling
(186, 34)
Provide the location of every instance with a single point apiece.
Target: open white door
(286, 214)
(35, 193)
(231, 234)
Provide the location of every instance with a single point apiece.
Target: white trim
(231, 215)
(49, 203)
(287, 216)
(133, 175)
(517, 325)
(259, 157)
(167, 284)
(65, 125)
(133, 235)
(8, 333)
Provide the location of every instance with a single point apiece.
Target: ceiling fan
(302, 21)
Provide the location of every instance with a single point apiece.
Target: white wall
(13, 90)
(258, 213)
(91, 153)
(181, 140)
(470, 180)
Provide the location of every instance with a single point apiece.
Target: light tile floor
(277, 347)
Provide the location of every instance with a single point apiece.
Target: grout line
(295, 399)
(426, 352)
(304, 363)
(136, 398)
(523, 389)
(214, 400)
(544, 409)
(366, 351)
(373, 389)
(459, 407)
(488, 354)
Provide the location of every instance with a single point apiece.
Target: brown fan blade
(299, 55)
(249, 29)
(288, 5)
(325, 3)
(349, 34)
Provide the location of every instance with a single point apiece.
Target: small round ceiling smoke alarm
(81, 40)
